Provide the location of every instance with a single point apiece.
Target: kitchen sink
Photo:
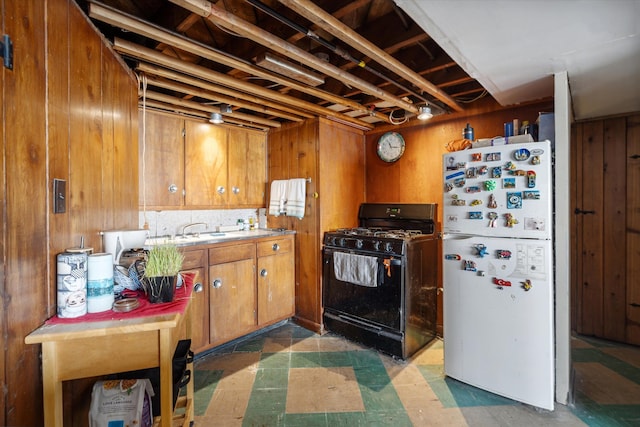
(190, 239)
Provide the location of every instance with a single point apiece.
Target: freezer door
(501, 191)
(498, 316)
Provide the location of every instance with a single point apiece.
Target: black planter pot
(160, 289)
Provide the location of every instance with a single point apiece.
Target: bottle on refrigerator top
(467, 133)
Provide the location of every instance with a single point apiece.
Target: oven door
(379, 302)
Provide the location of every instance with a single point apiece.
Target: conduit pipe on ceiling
(332, 47)
(231, 22)
(334, 26)
(135, 25)
(140, 52)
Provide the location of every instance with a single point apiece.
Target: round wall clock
(390, 147)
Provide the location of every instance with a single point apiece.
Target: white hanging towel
(278, 197)
(357, 269)
(296, 197)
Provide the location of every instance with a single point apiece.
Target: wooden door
(161, 164)
(247, 167)
(206, 162)
(195, 262)
(606, 247)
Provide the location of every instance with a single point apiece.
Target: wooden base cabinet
(276, 275)
(232, 292)
(247, 285)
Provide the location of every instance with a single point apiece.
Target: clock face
(390, 147)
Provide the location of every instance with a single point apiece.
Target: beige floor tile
(313, 390)
(337, 344)
(429, 356)
(521, 416)
(228, 403)
(218, 421)
(626, 354)
(234, 361)
(604, 386)
(276, 345)
(238, 380)
(578, 343)
(305, 344)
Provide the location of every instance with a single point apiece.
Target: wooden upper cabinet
(199, 165)
(206, 160)
(247, 167)
(161, 160)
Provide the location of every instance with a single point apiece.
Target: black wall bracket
(6, 51)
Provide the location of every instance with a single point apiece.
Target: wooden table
(80, 350)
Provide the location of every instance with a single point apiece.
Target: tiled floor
(289, 376)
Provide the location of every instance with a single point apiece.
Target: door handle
(580, 211)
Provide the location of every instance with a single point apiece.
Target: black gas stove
(379, 279)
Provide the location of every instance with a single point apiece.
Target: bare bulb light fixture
(216, 118)
(424, 113)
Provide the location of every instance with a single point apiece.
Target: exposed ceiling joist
(324, 20)
(139, 52)
(258, 35)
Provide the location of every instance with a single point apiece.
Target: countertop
(216, 237)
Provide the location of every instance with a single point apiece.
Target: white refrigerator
(498, 274)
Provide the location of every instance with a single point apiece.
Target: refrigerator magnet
(481, 250)
(514, 200)
(531, 195)
(493, 157)
(508, 183)
(510, 220)
(526, 285)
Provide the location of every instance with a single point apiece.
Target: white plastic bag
(120, 403)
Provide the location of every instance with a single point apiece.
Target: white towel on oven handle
(357, 269)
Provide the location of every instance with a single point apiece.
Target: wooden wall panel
(606, 292)
(614, 236)
(633, 230)
(24, 293)
(592, 158)
(65, 122)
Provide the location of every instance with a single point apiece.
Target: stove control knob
(388, 247)
(359, 243)
(342, 241)
(376, 245)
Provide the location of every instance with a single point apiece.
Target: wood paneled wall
(606, 228)
(70, 112)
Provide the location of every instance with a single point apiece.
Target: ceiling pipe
(135, 25)
(140, 52)
(334, 26)
(332, 47)
(243, 28)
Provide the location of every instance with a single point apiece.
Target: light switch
(59, 195)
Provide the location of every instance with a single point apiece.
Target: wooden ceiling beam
(195, 91)
(140, 52)
(210, 109)
(233, 23)
(310, 11)
(114, 17)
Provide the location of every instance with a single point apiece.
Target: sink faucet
(184, 229)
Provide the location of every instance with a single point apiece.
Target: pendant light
(216, 118)
(424, 113)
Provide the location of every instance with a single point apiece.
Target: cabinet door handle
(221, 189)
(263, 272)
(235, 190)
(197, 287)
(275, 247)
(217, 283)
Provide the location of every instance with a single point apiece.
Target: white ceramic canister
(100, 282)
(72, 284)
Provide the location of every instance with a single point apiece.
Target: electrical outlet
(59, 195)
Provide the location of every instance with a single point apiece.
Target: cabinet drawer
(274, 247)
(194, 259)
(231, 253)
